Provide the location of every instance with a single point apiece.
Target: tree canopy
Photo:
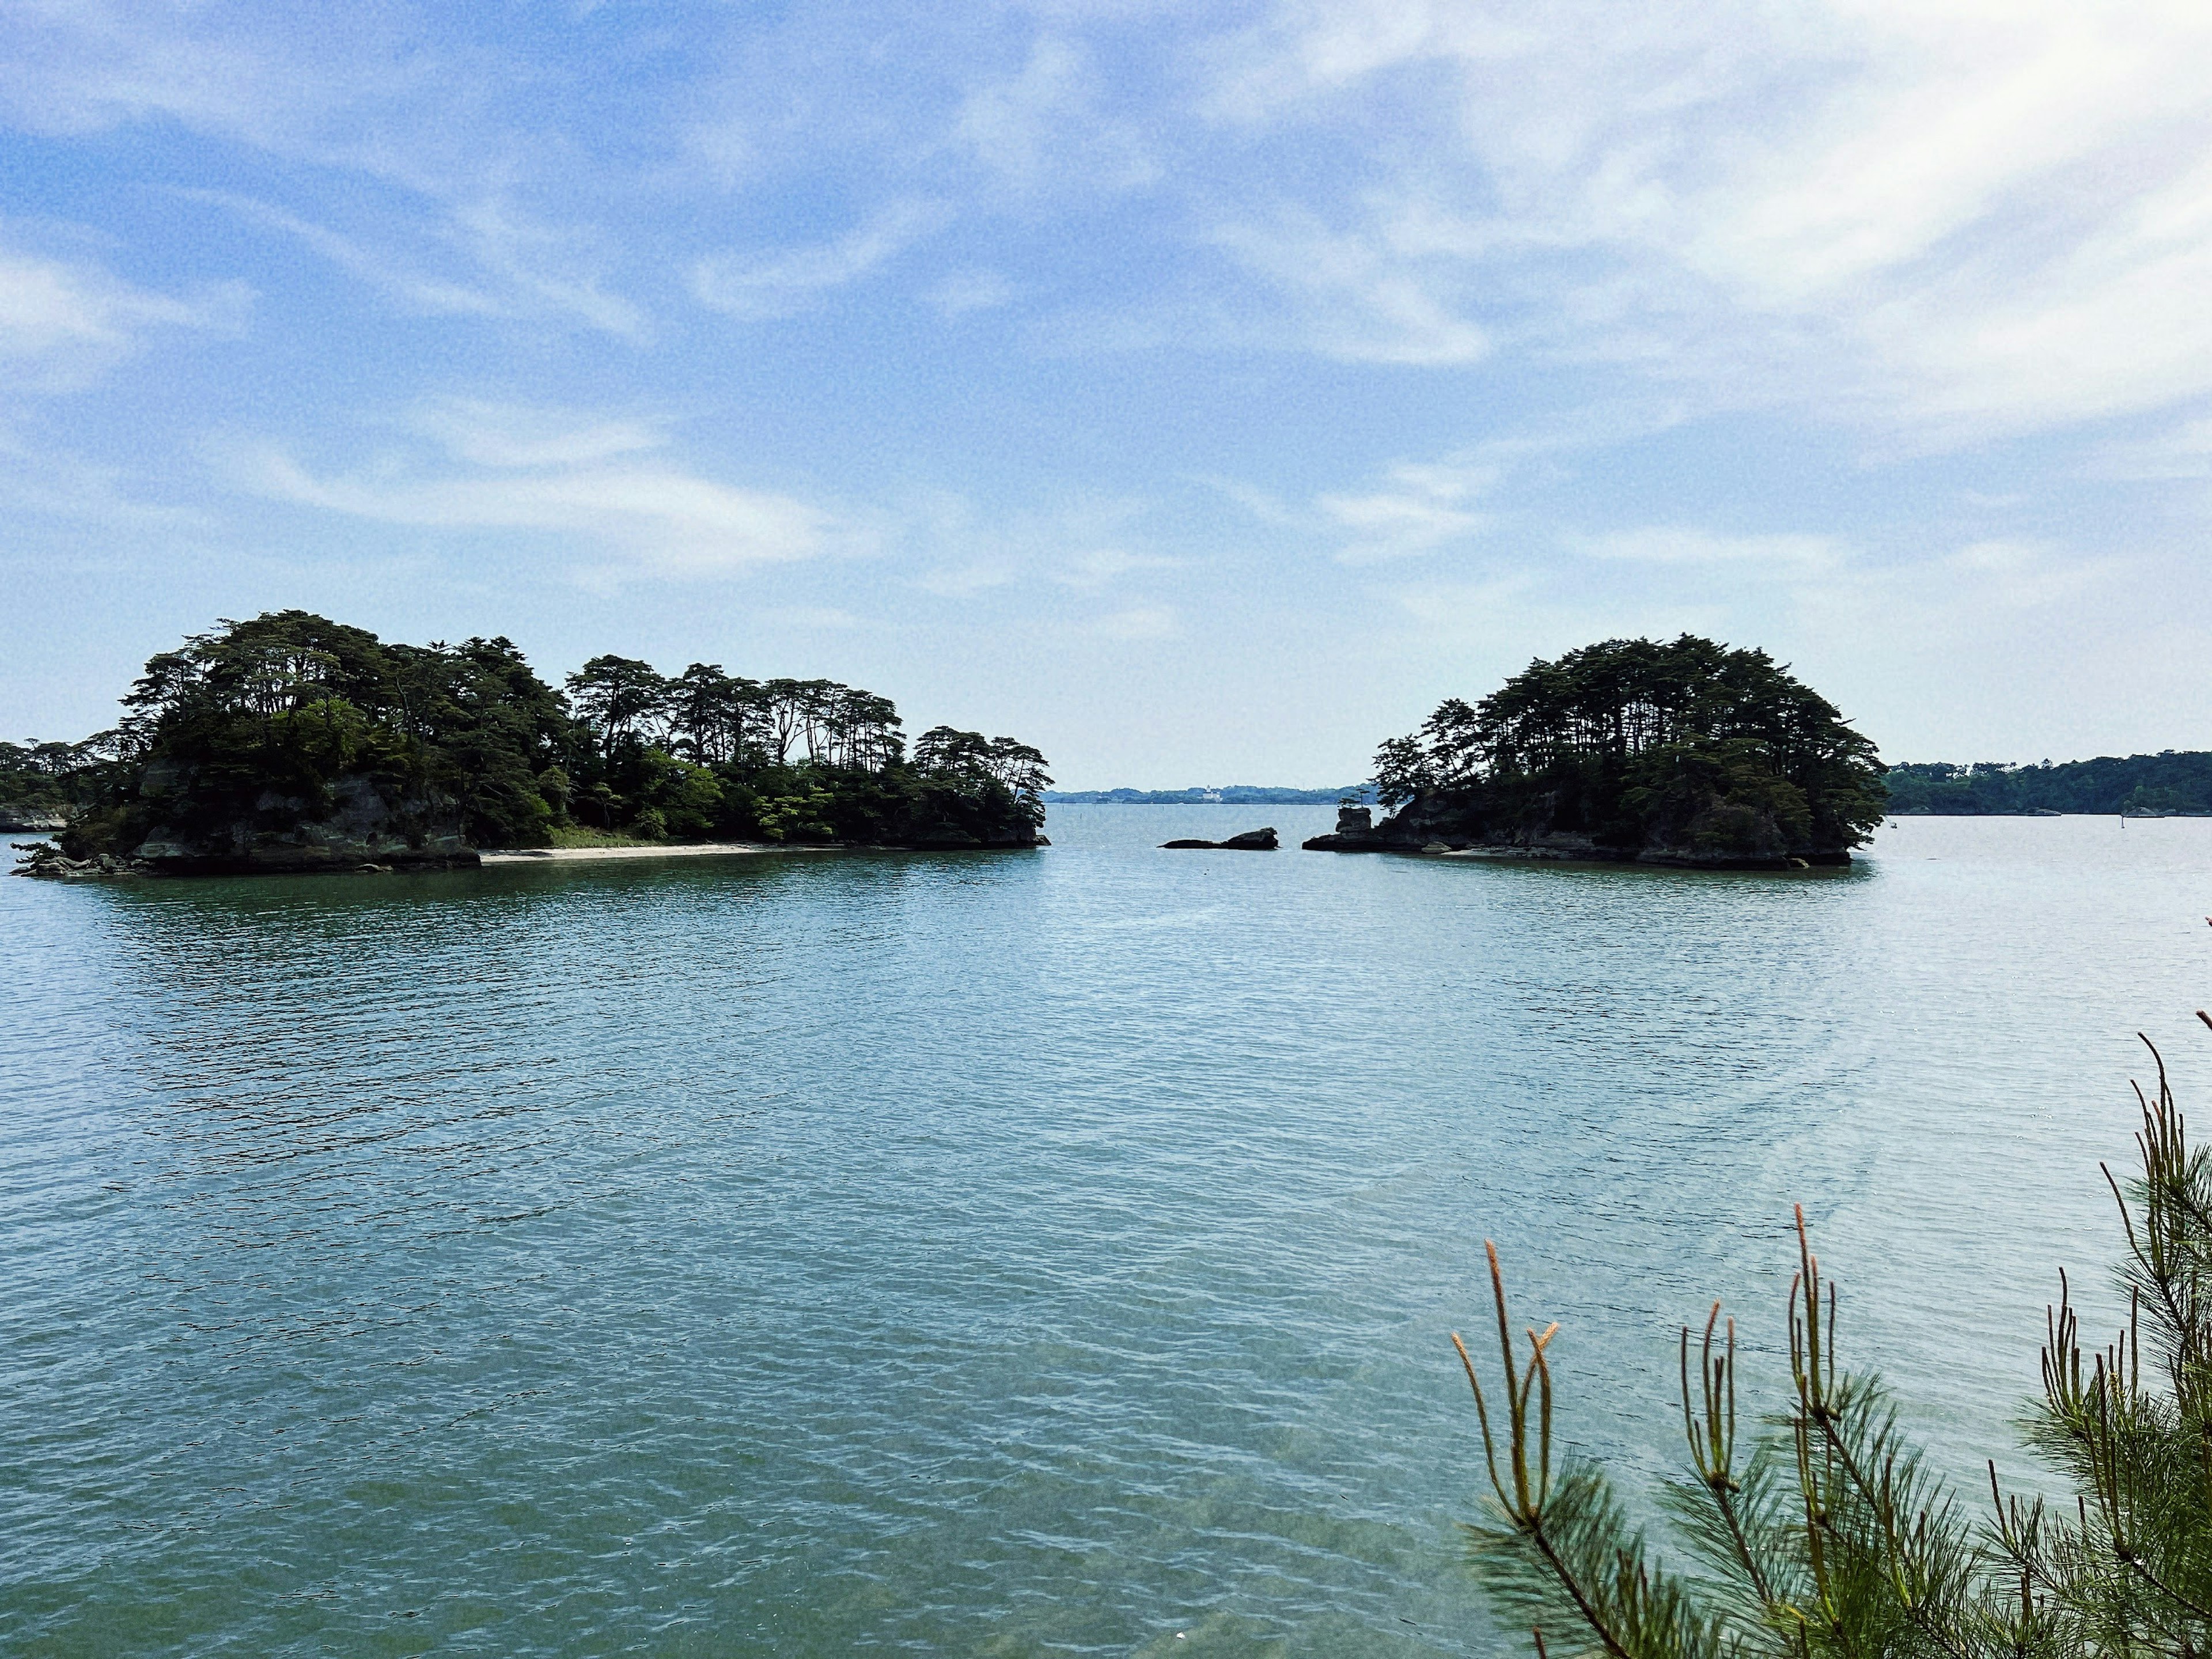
(1636, 744)
(261, 726)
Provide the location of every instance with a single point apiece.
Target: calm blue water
(1000, 1254)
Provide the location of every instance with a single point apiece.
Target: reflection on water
(989, 1253)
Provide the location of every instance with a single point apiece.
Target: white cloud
(965, 291)
(525, 471)
(419, 292)
(526, 436)
(817, 617)
(959, 582)
(2027, 575)
(1143, 622)
(1101, 566)
(63, 322)
(1352, 299)
(2182, 452)
(1787, 556)
(1423, 505)
(1971, 216)
(538, 264)
(759, 287)
(40, 477)
(517, 264)
(1045, 125)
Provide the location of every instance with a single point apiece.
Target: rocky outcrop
(1252, 841)
(1445, 829)
(360, 828)
(30, 820)
(1355, 832)
(47, 862)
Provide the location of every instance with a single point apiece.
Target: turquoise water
(1003, 1254)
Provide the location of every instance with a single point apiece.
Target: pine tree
(1829, 1535)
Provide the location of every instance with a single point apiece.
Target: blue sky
(1200, 392)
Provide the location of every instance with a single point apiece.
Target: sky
(1200, 392)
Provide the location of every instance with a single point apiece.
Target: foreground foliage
(1830, 1536)
(290, 719)
(1635, 745)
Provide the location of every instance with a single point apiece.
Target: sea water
(999, 1253)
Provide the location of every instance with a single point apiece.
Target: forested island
(1685, 753)
(2169, 784)
(291, 742)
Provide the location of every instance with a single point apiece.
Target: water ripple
(986, 1255)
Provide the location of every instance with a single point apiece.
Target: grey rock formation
(1252, 841)
(1439, 827)
(361, 828)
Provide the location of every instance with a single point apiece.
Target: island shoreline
(489, 856)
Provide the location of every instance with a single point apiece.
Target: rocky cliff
(1723, 836)
(358, 823)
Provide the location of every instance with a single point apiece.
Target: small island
(1685, 753)
(293, 743)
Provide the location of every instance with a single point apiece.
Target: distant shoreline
(1232, 795)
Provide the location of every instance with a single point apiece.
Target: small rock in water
(1252, 841)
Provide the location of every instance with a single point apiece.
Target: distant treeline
(35, 777)
(1232, 794)
(2164, 784)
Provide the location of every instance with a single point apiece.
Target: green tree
(619, 698)
(1829, 1535)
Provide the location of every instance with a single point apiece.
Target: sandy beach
(686, 850)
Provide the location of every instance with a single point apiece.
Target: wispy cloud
(496, 434)
(1045, 126)
(379, 271)
(1142, 621)
(63, 322)
(1350, 299)
(513, 469)
(1423, 507)
(964, 581)
(758, 288)
(1973, 221)
(2183, 451)
(1101, 567)
(1786, 555)
(965, 291)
